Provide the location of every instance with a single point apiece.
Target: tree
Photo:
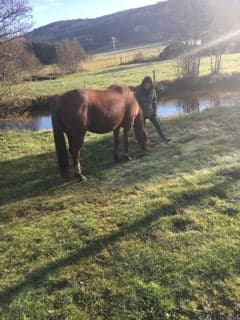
(15, 18)
(69, 55)
(224, 28)
(46, 52)
(189, 20)
(16, 58)
(203, 27)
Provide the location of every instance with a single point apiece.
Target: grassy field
(109, 59)
(155, 238)
(98, 77)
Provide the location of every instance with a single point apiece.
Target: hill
(130, 27)
(149, 24)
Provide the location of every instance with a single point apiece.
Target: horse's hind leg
(75, 144)
(116, 144)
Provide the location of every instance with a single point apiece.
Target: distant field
(98, 76)
(110, 59)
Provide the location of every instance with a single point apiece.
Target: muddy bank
(12, 108)
(209, 84)
(179, 88)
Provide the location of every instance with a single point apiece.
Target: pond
(38, 121)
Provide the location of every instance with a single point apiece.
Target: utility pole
(114, 40)
(114, 44)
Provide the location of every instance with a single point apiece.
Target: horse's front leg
(75, 144)
(116, 144)
(126, 144)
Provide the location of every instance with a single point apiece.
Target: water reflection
(182, 106)
(215, 101)
(35, 122)
(189, 104)
(173, 107)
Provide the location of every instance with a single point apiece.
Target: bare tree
(69, 55)
(223, 29)
(9, 53)
(15, 18)
(203, 27)
(189, 20)
(16, 59)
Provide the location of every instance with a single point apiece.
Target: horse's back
(73, 110)
(72, 99)
(120, 88)
(132, 107)
(106, 110)
(99, 111)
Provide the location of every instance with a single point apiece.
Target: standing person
(147, 99)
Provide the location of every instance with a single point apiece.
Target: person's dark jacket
(147, 99)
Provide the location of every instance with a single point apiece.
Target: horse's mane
(120, 88)
(53, 101)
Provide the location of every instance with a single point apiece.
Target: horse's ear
(117, 88)
(132, 88)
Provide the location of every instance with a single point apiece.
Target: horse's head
(140, 131)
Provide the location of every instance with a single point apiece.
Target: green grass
(100, 78)
(155, 238)
(97, 77)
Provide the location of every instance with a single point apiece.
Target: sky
(47, 11)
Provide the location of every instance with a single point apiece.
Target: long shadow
(180, 201)
(32, 176)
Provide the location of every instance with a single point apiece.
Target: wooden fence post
(154, 75)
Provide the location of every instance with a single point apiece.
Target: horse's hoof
(82, 178)
(128, 157)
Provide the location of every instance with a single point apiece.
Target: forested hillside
(130, 27)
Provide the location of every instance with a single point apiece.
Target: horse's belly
(104, 125)
(102, 129)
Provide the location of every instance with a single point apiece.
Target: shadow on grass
(36, 175)
(180, 201)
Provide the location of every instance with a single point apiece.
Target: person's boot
(166, 140)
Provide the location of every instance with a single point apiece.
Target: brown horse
(98, 111)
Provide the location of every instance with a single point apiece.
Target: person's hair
(147, 80)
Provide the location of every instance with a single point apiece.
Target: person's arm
(154, 102)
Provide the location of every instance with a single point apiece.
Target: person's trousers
(156, 122)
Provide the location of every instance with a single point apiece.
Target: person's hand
(154, 106)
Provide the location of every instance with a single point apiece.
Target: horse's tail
(59, 139)
(140, 131)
